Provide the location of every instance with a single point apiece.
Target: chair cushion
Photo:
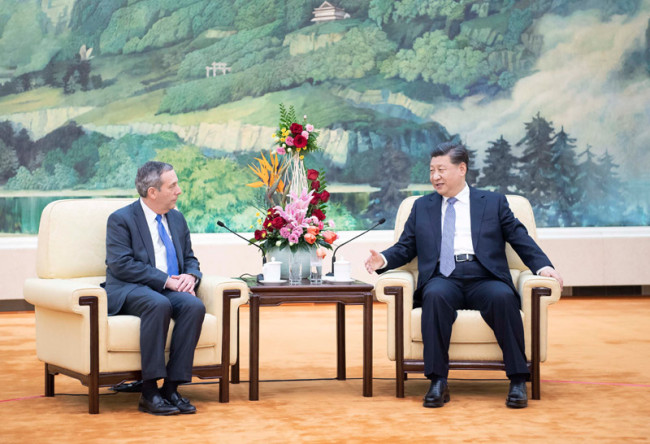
(469, 328)
(124, 333)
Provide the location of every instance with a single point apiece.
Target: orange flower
(321, 252)
(310, 238)
(313, 230)
(330, 236)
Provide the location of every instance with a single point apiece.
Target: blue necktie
(172, 262)
(447, 260)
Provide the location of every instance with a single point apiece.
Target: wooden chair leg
(224, 388)
(49, 382)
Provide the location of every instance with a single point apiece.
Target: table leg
(340, 341)
(234, 377)
(253, 391)
(367, 345)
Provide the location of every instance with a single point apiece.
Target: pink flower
(293, 239)
(320, 225)
(289, 141)
(309, 127)
(331, 223)
(281, 151)
(285, 232)
(305, 134)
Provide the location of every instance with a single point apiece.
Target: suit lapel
(476, 208)
(143, 228)
(435, 218)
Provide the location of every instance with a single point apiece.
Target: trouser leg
(154, 311)
(188, 313)
(441, 297)
(499, 308)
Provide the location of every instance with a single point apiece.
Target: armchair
(74, 334)
(473, 344)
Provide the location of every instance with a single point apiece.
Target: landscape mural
(552, 97)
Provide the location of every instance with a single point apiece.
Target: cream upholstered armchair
(74, 334)
(473, 344)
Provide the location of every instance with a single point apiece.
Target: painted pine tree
(564, 188)
(499, 169)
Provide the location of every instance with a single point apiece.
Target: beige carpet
(596, 388)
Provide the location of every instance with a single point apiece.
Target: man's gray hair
(149, 176)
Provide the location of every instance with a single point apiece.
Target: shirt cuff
(385, 261)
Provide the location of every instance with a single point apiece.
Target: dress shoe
(182, 404)
(517, 396)
(438, 393)
(157, 406)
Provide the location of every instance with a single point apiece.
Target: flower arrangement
(297, 197)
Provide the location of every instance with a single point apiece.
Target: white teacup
(341, 270)
(271, 270)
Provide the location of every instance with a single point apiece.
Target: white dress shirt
(160, 252)
(463, 234)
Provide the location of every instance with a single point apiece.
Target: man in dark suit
(459, 236)
(152, 273)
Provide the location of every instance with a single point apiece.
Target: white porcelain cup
(271, 270)
(341, 270)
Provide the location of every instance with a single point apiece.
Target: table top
(305, 285)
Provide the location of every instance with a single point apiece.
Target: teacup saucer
(333, 280)
(281, 281)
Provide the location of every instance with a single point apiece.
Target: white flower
(278, 243)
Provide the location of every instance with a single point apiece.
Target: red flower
(324, 196)
(260, 234)
(315, 198)
(299, 141)
(278, 223)
(295, 128)
(312, 174)
(315, 185)
(319, 214)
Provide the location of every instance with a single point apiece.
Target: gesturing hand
(374, 261)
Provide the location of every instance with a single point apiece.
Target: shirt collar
(149, 214)
(463, 196)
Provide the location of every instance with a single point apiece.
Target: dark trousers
(155, 309)
(470, 286)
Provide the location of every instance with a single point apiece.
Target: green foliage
(230, 50)
(120, 159)
(8, 162)
(500, 166)
(518, 22)
(354, 56)
(213, 189)
(436, 59)
(24, 42)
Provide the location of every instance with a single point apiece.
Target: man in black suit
(459, 236)
(152, 273)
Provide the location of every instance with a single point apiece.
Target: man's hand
(551, 272)
(182, 282)
(374, 262)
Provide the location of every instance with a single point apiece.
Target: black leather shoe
(157, 406)
(517, 396)
(182, 404)
(438, 394)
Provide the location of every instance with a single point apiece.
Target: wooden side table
(354, 293)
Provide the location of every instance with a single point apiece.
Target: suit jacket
(493, 224)
(130, 260)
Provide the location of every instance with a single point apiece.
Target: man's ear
(151, 192)
(463, 168)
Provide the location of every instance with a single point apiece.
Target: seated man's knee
(161, 306)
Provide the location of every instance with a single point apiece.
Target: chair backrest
(519, 206)
(72, 237)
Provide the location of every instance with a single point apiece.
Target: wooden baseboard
(15, 305)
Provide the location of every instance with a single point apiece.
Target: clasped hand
(183, 282)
